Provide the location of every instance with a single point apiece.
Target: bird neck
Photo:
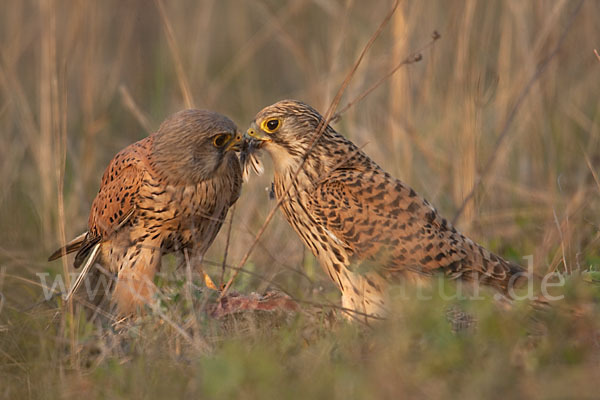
(330, 153)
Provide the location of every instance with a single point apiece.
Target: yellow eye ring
(270, 125)
(221, 140)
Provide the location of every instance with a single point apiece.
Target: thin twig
(592, 170)
(411, 59)
(320, 129)
(181, 78)
(232, 213)
(349, 311)
(562, 241)
(199, 343)
(251, 47)
(515, 109)
(188, 294)
(294, 270)
(2, 274)
(130, 105)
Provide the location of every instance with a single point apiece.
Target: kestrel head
(195, 145)
(285, 129)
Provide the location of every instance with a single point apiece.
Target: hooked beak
(235, 142)
(257, 134)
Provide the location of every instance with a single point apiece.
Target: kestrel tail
(165, 193)
(366, 228)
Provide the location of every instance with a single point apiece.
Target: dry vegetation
(80, 80)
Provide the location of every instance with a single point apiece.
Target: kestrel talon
(366, 228)
(167, 192)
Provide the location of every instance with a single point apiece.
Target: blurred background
(80, 80)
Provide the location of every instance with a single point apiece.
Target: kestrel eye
(220, 140)
(271, 125)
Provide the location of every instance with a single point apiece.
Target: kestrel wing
(113, 206)
(115, 201)
(380, 219)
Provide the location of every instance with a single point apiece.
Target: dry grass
(81, 80)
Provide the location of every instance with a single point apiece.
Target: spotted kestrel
(167, 192)
(351, 214)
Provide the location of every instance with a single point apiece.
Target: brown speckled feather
(119, 187)
(164, 193)
(367, 228)
(116, 200)
(380, 219)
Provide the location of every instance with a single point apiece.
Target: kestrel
(366, 228)
(167, 192)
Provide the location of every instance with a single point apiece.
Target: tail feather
(502, 273)
(70, 247)
(93, 254)
(84, 250)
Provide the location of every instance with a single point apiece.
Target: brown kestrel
(167, 192)
(366, 228)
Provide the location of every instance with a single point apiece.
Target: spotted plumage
(366, 228)
(167, 192)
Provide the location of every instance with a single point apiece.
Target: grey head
(193, 145)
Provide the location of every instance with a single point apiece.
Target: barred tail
(70, 247)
